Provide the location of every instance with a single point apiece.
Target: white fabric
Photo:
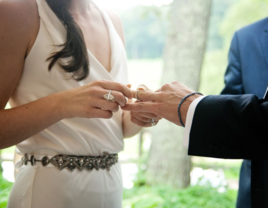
(189, 120)
(43, 187)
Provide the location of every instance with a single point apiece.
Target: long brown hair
(74, 47)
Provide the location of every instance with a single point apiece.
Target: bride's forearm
(129, 128)
(18, 124)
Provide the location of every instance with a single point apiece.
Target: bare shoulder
(19, 25)
(117, 22)
(19, 17)
(16, 10)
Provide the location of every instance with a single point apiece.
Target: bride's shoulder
(17, 8)
(19, 21)
(117, 22)
(18, 13)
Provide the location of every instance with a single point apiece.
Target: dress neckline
(110, 29)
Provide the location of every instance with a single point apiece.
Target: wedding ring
(153, 122)
(109, 96)
(136, 95)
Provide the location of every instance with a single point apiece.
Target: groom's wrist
(185, 106)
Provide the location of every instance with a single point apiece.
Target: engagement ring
(153, 122)
(109, 96)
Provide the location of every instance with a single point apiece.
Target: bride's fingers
(144, 119)
(114, 86)
(149, 115)
(140, 118)
(140, 123)
(118, 96)
(106, 105)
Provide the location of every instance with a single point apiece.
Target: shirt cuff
(189, 120)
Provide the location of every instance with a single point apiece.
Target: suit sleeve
(233, 75)
(230, 126)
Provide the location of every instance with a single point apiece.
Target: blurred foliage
(145, 31)
(230, 168)
(240, 14)
(219, 8)
(5, 188)
(146, 27)
(165, 197)
(232, 173)
(214, 66)
(8, 150)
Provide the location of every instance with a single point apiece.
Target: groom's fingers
(141, 107)
(145, 95)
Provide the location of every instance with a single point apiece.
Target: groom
(247, 73)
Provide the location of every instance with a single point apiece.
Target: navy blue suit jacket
(247, 73)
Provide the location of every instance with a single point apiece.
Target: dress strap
(54, 26)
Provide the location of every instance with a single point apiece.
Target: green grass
(191, 197)
(232, 173)
(5, 188)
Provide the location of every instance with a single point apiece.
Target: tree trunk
(186, 43)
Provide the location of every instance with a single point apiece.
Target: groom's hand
(164, 102)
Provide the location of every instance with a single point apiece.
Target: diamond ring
(153, 122)
(109, 96)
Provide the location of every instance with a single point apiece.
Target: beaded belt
(71, 162)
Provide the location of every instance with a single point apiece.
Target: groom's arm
(230, 127)
(223, 126)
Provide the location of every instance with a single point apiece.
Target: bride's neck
(79, 6)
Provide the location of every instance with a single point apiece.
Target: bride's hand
(144, 119)
(141, 118)
(88, 102)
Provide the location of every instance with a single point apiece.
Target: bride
(63, 71)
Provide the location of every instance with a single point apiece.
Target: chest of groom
(252, 60)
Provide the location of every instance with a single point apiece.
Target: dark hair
(74, 47)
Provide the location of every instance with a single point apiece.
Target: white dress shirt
(189, 120)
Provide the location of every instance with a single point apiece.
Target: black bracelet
(179, 113)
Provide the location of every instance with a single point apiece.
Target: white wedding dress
(48, 187)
